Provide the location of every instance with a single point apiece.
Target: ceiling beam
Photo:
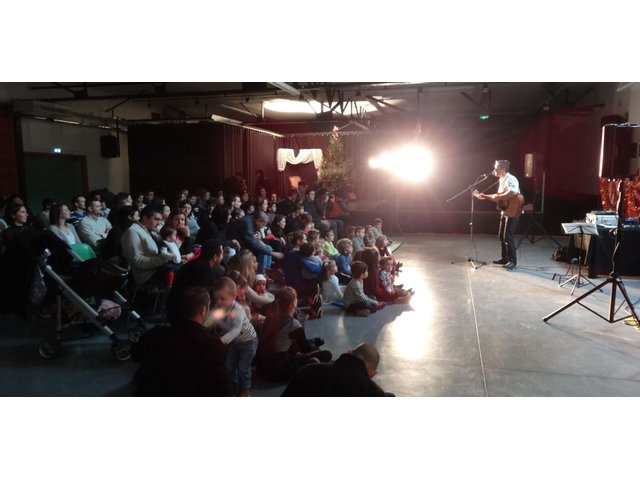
(376, 104)
(246, 111)
(286, 88)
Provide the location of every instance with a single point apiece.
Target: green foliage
(336, 170)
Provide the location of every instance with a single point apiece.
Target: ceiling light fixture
(236, 123)
(286, 87)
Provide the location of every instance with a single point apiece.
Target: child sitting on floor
(387, 279)
(381, 245)
(332, 292)
(343, 260)
(369, 240)
(358, 238)
(377, 230)
(355, 300)
(309, 257)
(329, 249)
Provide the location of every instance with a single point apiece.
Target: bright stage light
(411, 163)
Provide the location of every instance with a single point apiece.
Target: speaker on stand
(534, 169)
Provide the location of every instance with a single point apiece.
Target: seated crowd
(242, 275)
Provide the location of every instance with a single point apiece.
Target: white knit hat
(260, 277)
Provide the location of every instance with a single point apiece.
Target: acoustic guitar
(511, 206)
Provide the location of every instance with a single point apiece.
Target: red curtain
(8, 155)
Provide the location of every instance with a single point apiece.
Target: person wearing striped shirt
(237, 332)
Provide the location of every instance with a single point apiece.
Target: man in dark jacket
(185, 359)
(349, 376)
(244, 231)
(202, 272)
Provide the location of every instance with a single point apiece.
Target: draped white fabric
(306, 155)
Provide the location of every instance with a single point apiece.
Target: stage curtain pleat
(8, 155)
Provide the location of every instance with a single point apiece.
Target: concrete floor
(468, 332)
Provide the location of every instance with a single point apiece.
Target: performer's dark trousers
(506, 233)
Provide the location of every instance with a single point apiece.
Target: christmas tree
(336, 170)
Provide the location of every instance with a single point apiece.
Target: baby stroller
(93, 280)
(42, 271)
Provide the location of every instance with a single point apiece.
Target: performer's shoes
(502, 261)
(510, 265)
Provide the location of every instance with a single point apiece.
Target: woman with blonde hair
(246, 263)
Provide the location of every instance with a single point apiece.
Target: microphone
(485, 175)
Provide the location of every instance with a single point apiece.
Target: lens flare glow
(412, 332)
(410, 163)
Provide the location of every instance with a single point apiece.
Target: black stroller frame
(87, 314)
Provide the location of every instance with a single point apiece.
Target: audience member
(78, 203)
(383, 250)
(292, 265)
(343, 261)
(244, 230)
(387, 282)
(358, 238)
(260, 287)
(237, 332)
(377, 230)
(17, 220)
(311, 263)
(349, 376)
(123, 218)
(141, 251)
(42, 220)
(368, 236)
(283, 346)
(372, 285)
(59, 214)
(202, 272)
(184, 359)
(94, 228)
(169, 237)
(327, 245)
(332, 292)
(355, 300)
(246, 264)
(184, 240)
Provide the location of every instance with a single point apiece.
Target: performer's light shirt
(510, 183)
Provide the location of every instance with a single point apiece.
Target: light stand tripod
(613, 279)
(475, 263)
(581, 229)
(534, 223)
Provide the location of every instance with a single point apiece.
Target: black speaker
(109, 146)
(619, 150)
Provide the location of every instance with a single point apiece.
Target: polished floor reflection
(467, 332)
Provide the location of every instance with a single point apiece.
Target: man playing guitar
(510, 201)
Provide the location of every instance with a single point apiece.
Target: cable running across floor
(475, 321)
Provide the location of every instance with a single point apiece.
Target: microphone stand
(475, 263)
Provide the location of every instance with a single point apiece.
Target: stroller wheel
(121, 350)
(135, 333)
(49, 348)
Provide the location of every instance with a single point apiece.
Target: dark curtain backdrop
(169, 157)
(8, 155)
(261, 155)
